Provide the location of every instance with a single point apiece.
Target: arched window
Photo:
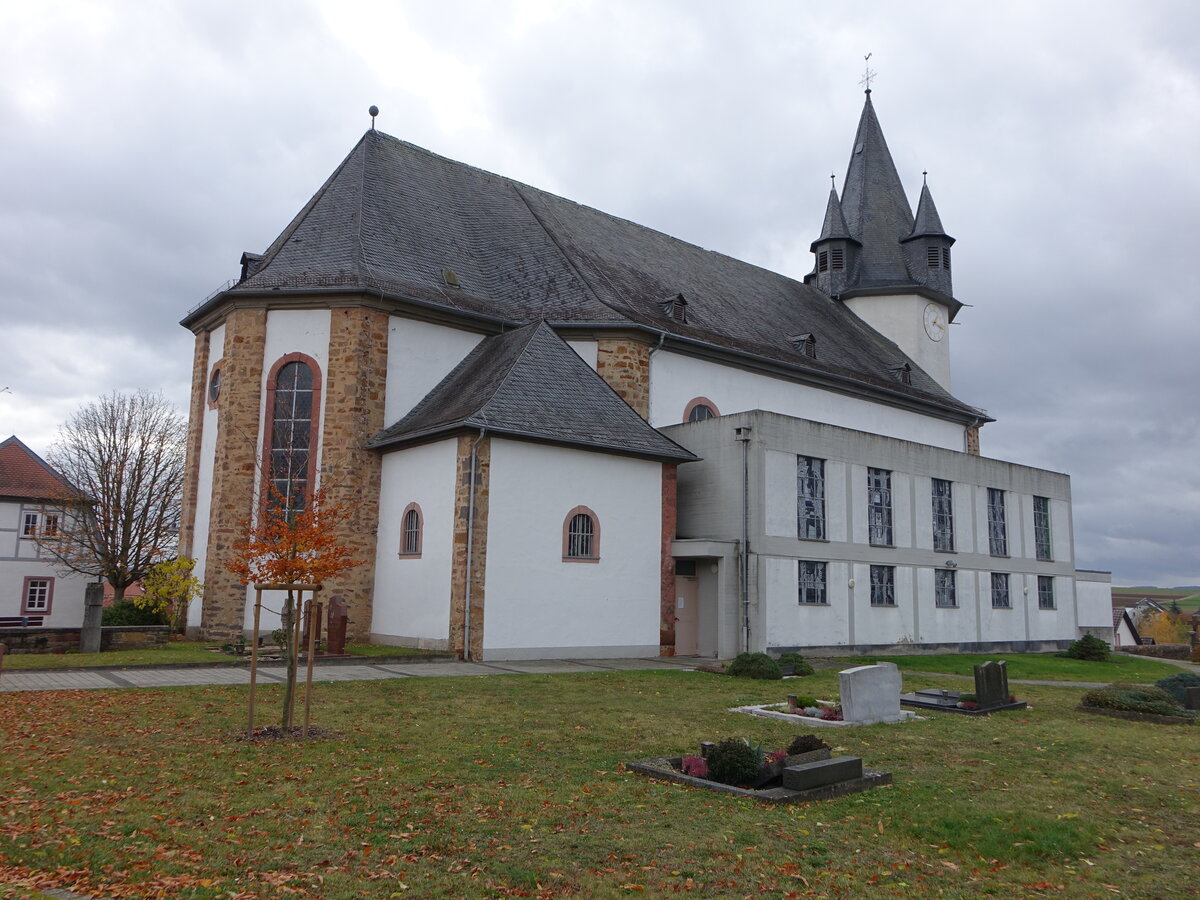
(293, 395)
(581, 536)
(412, 525)
(699, 409)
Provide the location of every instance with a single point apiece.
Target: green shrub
(754, 665)
(1089, 647)
(1177, 685)
(800, 665)
(125, 613)
(805, 743)
(733, 761)
(1139, 698)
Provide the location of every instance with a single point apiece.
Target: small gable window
(411, 528)
(675, 307)
(581, 536)
(699, 409)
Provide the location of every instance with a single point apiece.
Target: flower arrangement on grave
(739, 762)
(967, 701)
(802, 705)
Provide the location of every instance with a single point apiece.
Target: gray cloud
(145, 147)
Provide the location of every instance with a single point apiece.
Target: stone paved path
(170, 676)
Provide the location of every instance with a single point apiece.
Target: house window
(37, 596)
(879, 506)
(943, 515)
(883, 585)
(29, 527)
(810, 498)
(293, 396)
(997, 529)
(581, 536)
(1045, 592)
(411, 528)
(812, 583)
(943, 589)
(50, 525)
(1041, 528)
(699, 409)
(823, 261)
(1000, 596)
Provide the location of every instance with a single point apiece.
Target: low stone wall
(63, 640)
(1162, 651)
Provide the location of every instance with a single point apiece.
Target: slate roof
(26, 476)
(834, 226)
(394, 216)
(529, 384)
(928, 222)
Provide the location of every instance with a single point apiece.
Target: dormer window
(837, 259)
(675, 307)
(903, 373)
(806, 343)
(823, 261)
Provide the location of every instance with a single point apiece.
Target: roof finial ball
(374, 111)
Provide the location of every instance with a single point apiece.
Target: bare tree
(124, 455)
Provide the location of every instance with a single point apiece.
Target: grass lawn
(513, 786)
(174, 653)
(1033, 666)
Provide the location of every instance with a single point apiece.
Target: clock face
(935, 322)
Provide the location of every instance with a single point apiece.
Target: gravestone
(807, 776)
(991, 684)
(93, 613)
(871, 694)
(336, 629)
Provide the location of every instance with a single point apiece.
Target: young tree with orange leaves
(293, 547)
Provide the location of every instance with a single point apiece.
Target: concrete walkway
(94, 678)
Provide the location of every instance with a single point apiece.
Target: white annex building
(566, 435)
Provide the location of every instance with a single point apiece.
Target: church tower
(896, 268)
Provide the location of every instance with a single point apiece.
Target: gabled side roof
(529, 384)
(412, 227)
(26, 476)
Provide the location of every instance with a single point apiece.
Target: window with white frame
(37, 595)
(810, 498)
(1041, 528)
(883, 585)
(1001, 599)
(879, 506)
(35, 525)
(29, 525)
(812, 583)
(943, 515)
(997, 527)
(944, 594)
(581, 536)
(1045, 592)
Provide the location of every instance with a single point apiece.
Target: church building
(565, 435)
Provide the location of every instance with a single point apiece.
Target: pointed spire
(834, 225)
(875, 205)
(928, 221)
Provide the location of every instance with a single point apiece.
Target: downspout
(470, 546)
(742, 434)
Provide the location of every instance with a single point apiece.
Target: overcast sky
(144, 146)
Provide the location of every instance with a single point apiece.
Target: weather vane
(868, 74)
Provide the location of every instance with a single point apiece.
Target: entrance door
(687, 614)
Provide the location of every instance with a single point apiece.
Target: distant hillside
(1188, 598)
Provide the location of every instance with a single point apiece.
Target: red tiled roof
(26, 475)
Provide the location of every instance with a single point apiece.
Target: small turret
(836, 251)
(927, 248)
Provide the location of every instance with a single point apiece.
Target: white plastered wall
(208, 452)
(419, 356)
(536, 604)
(901, 318)
(20, 559)
(412, 595)
(676, 379)
(289, 331)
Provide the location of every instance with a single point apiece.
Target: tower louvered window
(837, 259)
(934, 255)
(946, 258)
(823, 261)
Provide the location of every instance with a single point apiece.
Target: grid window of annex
(879, 507)
(944, 589)
(810, 498)
(812, 583)
(883, 585)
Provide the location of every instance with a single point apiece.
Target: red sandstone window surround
(412, 530)
(581, 536)
(293, 418)
(699, 409)
(37, 595)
